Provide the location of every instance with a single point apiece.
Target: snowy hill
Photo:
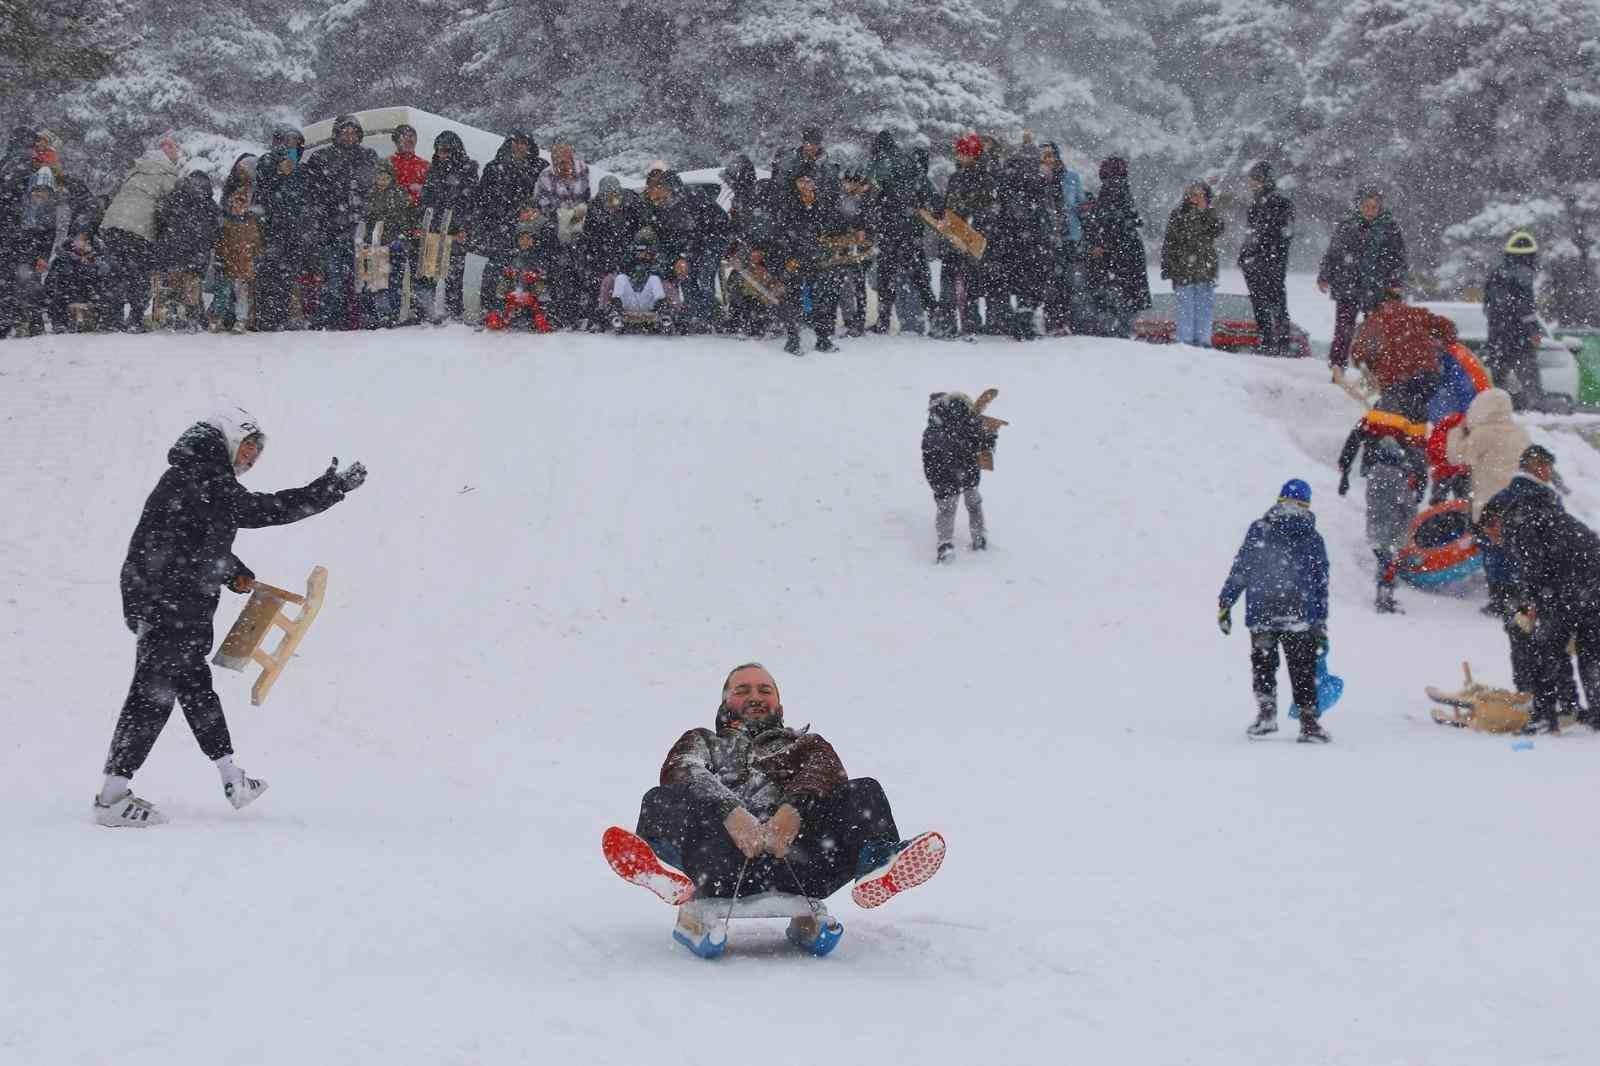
(564, 544)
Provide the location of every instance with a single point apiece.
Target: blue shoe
(708, 944)
(818, 937)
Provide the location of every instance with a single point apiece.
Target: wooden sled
(845, 250)
(1479, 707)
(991, 425)
(755, 280)
(958, 231)
(242, 645)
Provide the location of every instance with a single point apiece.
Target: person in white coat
(129, 228)
(1491, 443)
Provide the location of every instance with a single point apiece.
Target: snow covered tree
(1088, 74)
(1456, 106)
(44, 43)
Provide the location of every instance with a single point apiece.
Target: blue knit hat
(1296, 490)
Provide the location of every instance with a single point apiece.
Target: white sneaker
(127, 812)
(242, 794)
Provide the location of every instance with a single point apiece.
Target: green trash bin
(1588, 358)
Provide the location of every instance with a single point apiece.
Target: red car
(1233, 326)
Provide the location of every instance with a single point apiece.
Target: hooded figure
(341, 179)
(614, 219)
(452, 182)
(1111, 226)
(188, 222)
(1491, 445)
(951, 445)
(509, 181)
(180, 556)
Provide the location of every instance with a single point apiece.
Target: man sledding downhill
(1282, 569)
(179, 558)
(755, 807)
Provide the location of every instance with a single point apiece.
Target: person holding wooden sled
(1282, 571)
(953, 442)
(754, 806)
(179, 558)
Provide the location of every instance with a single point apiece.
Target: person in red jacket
(1398, 345)
(410, 169)
(1449, 479)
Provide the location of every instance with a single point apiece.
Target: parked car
(1233, 326)
(1558, 366)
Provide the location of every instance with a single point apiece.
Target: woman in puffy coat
(1491, 444)
(129, 228)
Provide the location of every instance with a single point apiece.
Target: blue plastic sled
(1329, 688)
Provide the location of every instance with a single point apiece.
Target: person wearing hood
(242, 175)
(340, 180)
(753, 806)
(691, 229)
(952, 444)
(451, 187)
(1282, 571)
(510, 181)
(188, 223)
(1394, 462)
(1022, 248)
(1189, 259)
(1490, 445)
(614, 219)
(1365, 258)
(1069, 200)
(129, 226)
(898, 230)
(389, 207)
(1264, 258)
(281, 193)
(1512, 349)
(178, 561)
(1114, 248)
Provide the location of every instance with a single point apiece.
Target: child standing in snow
(1395, 464)
(951, 444)
(1282, 570)
(238, 248)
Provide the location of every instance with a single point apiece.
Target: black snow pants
(170, 665)
(824, 289)
(688, 833)
(901, 261)
(1299, 651)
(1547, 659)
(131, 260)
(1269, 302)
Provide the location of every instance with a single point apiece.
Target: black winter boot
(1266, 717)
(1385, 603)
(1311, 731)
(945, 551)
(792, 345)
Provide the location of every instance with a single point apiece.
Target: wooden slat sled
(265, 609)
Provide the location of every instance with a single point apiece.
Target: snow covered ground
(564, 544)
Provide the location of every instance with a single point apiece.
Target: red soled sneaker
(891, 868)
(637, 864)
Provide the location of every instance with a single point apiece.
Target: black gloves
(350, 478)
(1344, 482)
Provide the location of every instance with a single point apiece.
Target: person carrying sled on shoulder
(1282, 571)
(180, 557)
(1394, 461)
(952, 443)
(753, 805)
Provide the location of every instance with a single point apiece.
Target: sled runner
(428, 258)
(242, 645)
(702, 925)
(1485, 709)
(992, 425)
(958, 231)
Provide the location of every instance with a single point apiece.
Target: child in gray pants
(951, 444)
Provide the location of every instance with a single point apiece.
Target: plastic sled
(1442, 548)
(1329, 688)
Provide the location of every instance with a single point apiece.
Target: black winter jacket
(505, 187)
(282, 200)
(182, 550)
(608, 234)
(341, 182)
(1363, 259)
(450, 185)
(1269, 227)
(1508, 304)
(951, 443)
(1112, 223)
(188, 223)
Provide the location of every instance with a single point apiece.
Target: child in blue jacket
(1282, 570)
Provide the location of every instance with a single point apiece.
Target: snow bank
(567, 540)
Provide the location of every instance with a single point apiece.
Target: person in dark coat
(188, 222)
(610, 227)
(1512, 350)
(1538, 666)
(508, 183)
(1365, 259)
(1556, 560)
(1394, 463)
(1282, 571)
(803, 221)
(1264, 258)
(1114, 249)
(1023, 252)
(755, 806)
(897, 229)
(952, 442)
(281, 195)
(27, 258)
(692, 231)
(451, 186)
(972, 192)
(340, 179)
(78, 285)
(1189, 260)
(180, 557)
(810, 157)
(17, 170)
